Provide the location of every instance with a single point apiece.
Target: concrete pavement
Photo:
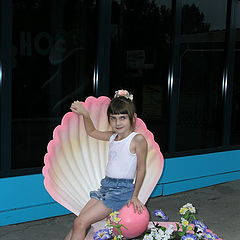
(218, 207)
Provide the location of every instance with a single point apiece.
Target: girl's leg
(90, 203)
(95, 213)
(68, 237)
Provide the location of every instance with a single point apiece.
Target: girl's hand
(137, 204)
(78, 108)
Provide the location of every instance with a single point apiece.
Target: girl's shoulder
(139, 138)
(138, 144)
(112, 137)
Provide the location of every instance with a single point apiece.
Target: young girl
(127, 159)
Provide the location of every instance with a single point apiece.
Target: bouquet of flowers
(112, 229)
(189, 228)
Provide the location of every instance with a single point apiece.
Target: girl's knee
(80, 223)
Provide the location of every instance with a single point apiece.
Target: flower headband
(123, 93)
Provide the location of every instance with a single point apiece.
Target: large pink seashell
(75, 163)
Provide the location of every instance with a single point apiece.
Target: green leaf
(163, 228)
(110, 225)
(180, 234)
(178, 227)
(123, 226)
(184, 230)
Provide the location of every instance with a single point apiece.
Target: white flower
(123, 93)
(187, 205)
(115, 213)
(184, 222)
(159, 236)
(183, 210)
(148, 237)
(160, 232)
(190, 207)
(153, 232)
(119, 236)
(199, 234)
(170, 229)
(166, 237)
(114, 217)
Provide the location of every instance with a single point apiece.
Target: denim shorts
(114, 192)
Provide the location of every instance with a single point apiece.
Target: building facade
(180, 58)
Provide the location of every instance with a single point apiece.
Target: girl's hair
(122, 105)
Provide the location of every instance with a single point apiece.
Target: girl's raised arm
(78, 108)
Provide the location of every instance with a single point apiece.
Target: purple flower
(199, 225)
(210, 236)
(102, 234)
(161, 214)
(189, 237)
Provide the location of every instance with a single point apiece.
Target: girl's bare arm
(77, 107)
(141, 151)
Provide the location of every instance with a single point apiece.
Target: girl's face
(120, 123)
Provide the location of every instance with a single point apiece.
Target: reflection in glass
(53, 55)
(140, 55)
(202, 59)
(203, 15)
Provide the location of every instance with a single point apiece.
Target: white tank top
(121, 162)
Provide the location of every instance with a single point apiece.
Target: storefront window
(53, 58)
(140, 56)
(235, 133)
(202, 59)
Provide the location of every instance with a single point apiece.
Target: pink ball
(135, 223)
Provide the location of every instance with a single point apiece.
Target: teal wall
(191, 172)
(25, 199)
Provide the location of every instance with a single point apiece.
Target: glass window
(53, 56)
(202, 59)
(235, 136)
(139, 61)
